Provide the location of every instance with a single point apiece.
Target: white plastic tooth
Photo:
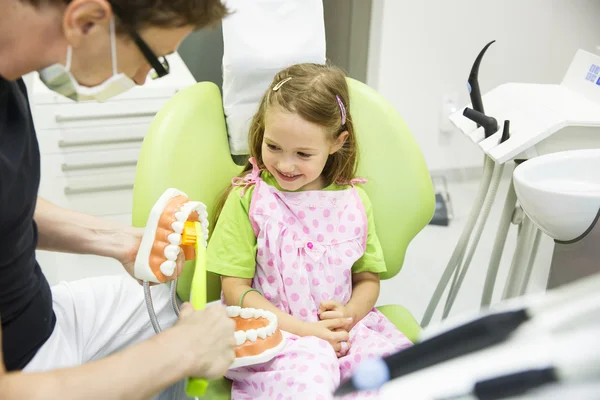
(194, 205)
(171, 252)
(251, 334)
(240, 338)
(177, 226)
(257, 313)
(233, 311)
(262, 333)
(269, 329)
(187, 208)
(199, 207)
(167, 267)
(174, 239)
(271, 317)
(247, 313)
(181, 216)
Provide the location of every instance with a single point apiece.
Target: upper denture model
(170, 229)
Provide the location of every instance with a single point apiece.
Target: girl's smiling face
(295, 151)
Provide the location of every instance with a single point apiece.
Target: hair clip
(276, 87)
(342, 109)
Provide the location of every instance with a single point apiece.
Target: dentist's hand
(206, 340)
(131, 239)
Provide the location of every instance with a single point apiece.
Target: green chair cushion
(403, 320)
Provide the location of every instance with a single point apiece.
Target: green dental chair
(186, 147)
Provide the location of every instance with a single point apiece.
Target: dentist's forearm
(136, 373)
(233, 288)
(69, 231)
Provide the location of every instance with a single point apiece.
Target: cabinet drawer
(147, 91)
(90, 163)
(104, 194)
(68, 267)
(93, 138)
(78, 115)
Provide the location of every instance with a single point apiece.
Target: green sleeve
(232, 247)
(372, 260)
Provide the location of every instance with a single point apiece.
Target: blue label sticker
(592, 74)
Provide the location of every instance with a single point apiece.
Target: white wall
(423, 49)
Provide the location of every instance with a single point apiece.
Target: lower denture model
(257, 336)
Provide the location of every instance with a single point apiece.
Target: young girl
(296, 237)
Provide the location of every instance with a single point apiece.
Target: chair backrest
(186, 147)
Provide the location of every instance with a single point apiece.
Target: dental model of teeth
(257, 336)
(170, 229)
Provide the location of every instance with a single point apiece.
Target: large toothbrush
(196, 387)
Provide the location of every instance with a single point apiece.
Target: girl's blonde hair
(310, 91)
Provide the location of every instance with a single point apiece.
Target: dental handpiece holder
(489, 124)
(545, 118)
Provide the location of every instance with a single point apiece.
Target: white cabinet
(89, 153)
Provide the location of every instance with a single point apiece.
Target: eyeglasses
(160, 65)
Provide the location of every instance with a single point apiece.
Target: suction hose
(532, 256)
(489, 201)
(152, 313)
(528, 241)
(150, 306)
(459, 251)
(498, 249)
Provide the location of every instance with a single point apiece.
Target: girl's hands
(331, 309)
(335, 331)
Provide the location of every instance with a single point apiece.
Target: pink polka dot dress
(307, 244)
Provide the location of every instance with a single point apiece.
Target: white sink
(560, 192)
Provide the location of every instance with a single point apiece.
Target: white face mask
(59, 79)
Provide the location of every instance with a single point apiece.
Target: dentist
(90, 338)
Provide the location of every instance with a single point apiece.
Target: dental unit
(546, 130)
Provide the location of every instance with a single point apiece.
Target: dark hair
(139, 14)
(308, 90)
